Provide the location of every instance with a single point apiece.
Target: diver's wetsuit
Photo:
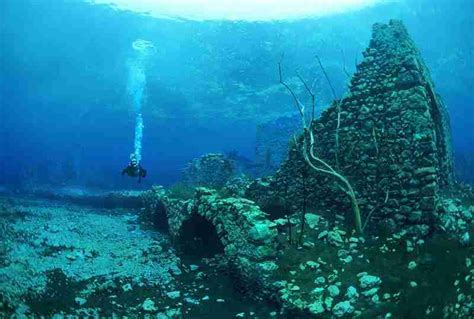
(134, 169)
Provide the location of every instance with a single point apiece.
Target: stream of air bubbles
(143, 50)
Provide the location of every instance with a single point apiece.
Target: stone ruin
(247, 237)
(394, 148)
(210, 170)
(394, 140)
(272, 140)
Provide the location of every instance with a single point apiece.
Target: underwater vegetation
(354, 205)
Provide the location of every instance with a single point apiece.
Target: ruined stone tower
(394, 139)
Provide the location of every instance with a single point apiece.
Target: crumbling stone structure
(272, 142)
(394, 140)
(248, 237)
(210, 170)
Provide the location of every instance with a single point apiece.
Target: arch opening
(198, 237)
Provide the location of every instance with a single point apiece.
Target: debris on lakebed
(63, 259)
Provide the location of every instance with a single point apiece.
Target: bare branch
(375, 208)
(310, 92)
(327, 78)
(338, 109)
(309, 140)
(344, 64)
(298, 104)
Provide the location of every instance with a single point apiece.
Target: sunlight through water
(244, 10)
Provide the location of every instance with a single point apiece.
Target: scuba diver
(134, 169)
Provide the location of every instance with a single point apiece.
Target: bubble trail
(136, 88)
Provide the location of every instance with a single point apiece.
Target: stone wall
(248, 237)
(210, 170)
(272, 142)
(394, 139)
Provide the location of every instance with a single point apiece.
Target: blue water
(64, 76)
(84, 88)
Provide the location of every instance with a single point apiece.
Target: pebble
(71, 257)
(375, 298)
(312, 264)
(295, 288)
(412, 265)
(352, 293)
(317, 292)
(333, 290)
(127, 287)
(343, 308)
(191, 300)
(347, 260)
(328, 302)
(80, 301)
(410, 247)
(370, 292)
(149, 305)
(308, 244)
(369, 281)
(173, 294)
(316, 307)
(413, 284)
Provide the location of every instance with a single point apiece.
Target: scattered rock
(173, 294)
(260, 232)
(317, 292)
(369, 281)
(316, 307)
(149, 305)
(335, 238)
(342, 309)
(352, 294)
(370, 292)
(192, 301)
(333, 290)
(312, 264)
(127, 287)
(312, 220)
(80, 301)
(320, 280)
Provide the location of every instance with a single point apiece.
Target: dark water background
(66, 116)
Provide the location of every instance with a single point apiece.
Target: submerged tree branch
(338, 109)
(308, 147)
